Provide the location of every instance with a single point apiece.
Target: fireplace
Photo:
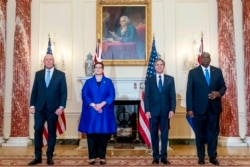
(126, 112)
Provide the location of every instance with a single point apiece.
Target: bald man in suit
(47, 102)
(205, 87)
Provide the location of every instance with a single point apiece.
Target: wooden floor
(74, 150)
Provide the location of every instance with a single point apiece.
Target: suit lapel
(164, 82)
(43, 76)
(154, 81)
(52, 77)
(212, 74)
(201, 75)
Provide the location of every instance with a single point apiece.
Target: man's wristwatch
(92, 105)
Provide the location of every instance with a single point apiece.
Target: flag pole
(137, 139)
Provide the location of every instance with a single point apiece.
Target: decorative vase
(89, 65)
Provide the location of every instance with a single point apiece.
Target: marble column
(246, 36)
(2, 63)
(229, 132)
(19, 135)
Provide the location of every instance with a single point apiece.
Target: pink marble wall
(246, 36)
(229, 117)
(21, 71)
(2, 60)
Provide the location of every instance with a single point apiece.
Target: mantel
(126, 88)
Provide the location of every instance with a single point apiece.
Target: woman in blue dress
(98, 117)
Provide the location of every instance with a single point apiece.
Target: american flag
(98, 52)
(61, 122)
(143, 121)
(201, 49)
(60, 128)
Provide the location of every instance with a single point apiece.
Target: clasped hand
(213, 95)
(98, 107)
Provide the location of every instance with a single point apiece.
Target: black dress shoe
(50, 161)
(155, 161)
(201, 161)
(35, 161)
(214, 161)
(164, 161)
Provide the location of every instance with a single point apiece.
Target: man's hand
(213, 95)
(170, 114)
(190, 114)
(59, 111)
(148, 115)
(32, 110)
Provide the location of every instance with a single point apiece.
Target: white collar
(204, 68)
(51, 70)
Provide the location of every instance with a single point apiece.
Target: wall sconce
(60, 62)
(190, 63)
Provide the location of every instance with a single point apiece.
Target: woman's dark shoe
(92, 161)
(102, 161)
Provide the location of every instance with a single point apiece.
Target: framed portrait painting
(124, 31)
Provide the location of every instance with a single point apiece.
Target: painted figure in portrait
(123, 32)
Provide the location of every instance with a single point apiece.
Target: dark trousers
(155, 123)
(97, 145)
(40, 118)
(207, 131)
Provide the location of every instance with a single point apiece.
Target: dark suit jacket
(160, 103)
(198, 90)
(54, 96)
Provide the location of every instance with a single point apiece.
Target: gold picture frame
(117, 49)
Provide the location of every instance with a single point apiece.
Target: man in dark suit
(47, 102)
(159, 103)
(205, 87)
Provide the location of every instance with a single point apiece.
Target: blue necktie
(47, 78)
(160, 83)
(207, 76)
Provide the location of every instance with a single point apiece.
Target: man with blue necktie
(205, 87)
(47, 102)
(159, 104)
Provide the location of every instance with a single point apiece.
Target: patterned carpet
(117, 161)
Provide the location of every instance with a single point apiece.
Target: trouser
(40, 118)
(155, 122)
(207, 131)
(97, 145)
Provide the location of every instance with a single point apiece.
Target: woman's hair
(99, 63)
